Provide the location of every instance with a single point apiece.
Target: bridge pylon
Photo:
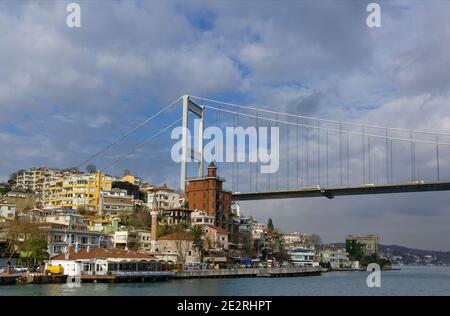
(187, 152)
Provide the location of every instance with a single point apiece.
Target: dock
(249, 273)
(31, 278)
(127, 277)
(151, 276)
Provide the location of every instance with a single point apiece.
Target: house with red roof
(178, 247)
(102, 261)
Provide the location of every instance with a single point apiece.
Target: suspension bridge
(317, 157)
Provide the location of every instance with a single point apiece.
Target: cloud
(65, 93)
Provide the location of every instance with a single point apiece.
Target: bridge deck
(332, 192)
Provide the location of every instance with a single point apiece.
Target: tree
(91, 168)
(354, 249)
(197, 233)
(316, 239)
(270, 224)
(29, 241)
(126, 172)
(81, 210)
(139, 219)
(282, 254)
(12, 179)
(247, 249)
(5, 190)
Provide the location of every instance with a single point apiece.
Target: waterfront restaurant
(102, 261)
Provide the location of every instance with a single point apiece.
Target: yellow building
(78, 190)
(131, 179)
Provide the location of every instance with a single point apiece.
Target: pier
(124, 277)
(31, 278)
(248, 273)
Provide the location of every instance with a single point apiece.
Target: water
(408, 281)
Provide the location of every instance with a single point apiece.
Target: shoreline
(37, 278)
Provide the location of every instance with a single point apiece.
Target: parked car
(19, 269)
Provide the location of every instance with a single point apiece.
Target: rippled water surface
(407, 281)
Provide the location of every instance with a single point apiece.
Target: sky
(67, 92)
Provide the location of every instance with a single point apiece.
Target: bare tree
(183, 247)
(126, 172)
(91, 168)
(316, 239)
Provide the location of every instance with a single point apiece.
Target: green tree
(270, 224)
(139, 219)
(29, 241)
(5, 190)
(354, 249)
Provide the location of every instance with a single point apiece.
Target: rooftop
(103, 253)
(220, 230)
(177, 236)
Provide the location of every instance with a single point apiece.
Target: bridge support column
(187, 152)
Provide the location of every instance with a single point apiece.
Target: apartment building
(7, 210)
(31, 179)
(369, 244)
(202, 218)
(132, 179)
(78, 190)
(258, 229)
(104, 224)
(303, 256)
(21, 200)
(176, 216)
(115, 203)
(215, 238)
(139, 240)
(164, 197)
(296, 238)
(69, 218)
(61, 236)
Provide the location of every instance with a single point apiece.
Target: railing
(130, 273)
(145, 273)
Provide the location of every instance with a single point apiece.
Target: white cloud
(66, 92)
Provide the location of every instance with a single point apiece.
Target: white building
(165, 197)
(295, 238)
(69, 218)
(138, 239)
(115, 203)
(236, 209)
(100, 261)
(303, 256)
(8, 210)
(338, 258)
(258, 229)
(202, 218)
(60, 237)
(33, 180)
